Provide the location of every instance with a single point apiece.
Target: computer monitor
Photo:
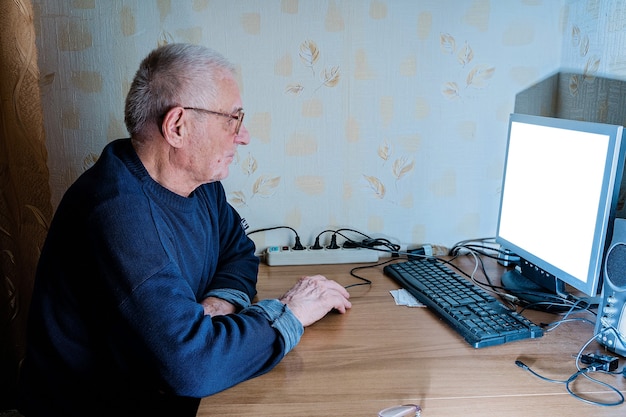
(559, 194)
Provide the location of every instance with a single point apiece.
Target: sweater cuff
(282, 319)
(237, 298)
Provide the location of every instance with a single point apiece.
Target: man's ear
(173, 127)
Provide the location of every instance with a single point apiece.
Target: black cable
(367, 243)
(350, 230)
(297, 245)
(573, 377)
(595, 365)
(273, 228)
(366, 281)
(454, 250)
(483, 250)
(333, 241)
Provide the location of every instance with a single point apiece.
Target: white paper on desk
(404, 298)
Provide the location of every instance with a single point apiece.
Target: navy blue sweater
(115, 325)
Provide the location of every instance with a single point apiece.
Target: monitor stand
(533, 295)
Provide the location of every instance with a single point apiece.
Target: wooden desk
(379, 355)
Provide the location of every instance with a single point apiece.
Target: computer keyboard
(477, 316)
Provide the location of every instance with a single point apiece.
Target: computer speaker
(611, 322)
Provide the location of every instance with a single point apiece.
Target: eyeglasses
(237, 116)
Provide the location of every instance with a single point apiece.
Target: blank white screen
(551, 194)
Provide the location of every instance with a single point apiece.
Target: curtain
(25, 202)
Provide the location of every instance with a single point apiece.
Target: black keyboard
(481, 319)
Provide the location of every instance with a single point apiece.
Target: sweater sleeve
(282, 319)
(237, 298)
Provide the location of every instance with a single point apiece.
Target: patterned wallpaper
(385, 116)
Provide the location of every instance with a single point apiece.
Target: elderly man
(143, 296)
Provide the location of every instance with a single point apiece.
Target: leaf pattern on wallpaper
(89, 160)
(238, 198)
(265, 185)
(591, 68)
(465, 55)
(165, 38)
(294, 89)
(384, 151)
(478, 76)
(310, 55)
(581, 44)
(331, 76)
(402, 166)
(376, 185)
(580, 40)
(451, 91)
(584, 46)
(575, 35)
(249, 165)
(447, 43)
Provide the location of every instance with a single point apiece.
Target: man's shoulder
(108, 181)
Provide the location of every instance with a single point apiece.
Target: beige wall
(398, 127)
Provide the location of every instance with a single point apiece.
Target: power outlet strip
(277, 255)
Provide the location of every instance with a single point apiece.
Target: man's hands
(309, 300)
(313, 297)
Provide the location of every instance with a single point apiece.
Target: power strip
(277, 255)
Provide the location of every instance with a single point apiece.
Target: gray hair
(172, 75)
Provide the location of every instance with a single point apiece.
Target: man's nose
(243, 138)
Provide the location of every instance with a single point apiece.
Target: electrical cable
(366, 281)
(557, 323)
(367, 243)
(317, 245)
(297, 245)
(551, 302)
(466, 243)
(568, 382)
(593, 367)
(333, 243)
(594, 380)
(573, 309)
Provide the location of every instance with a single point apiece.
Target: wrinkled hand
(214, 306)
(314, 296)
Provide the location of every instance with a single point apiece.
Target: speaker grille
(616, 265)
